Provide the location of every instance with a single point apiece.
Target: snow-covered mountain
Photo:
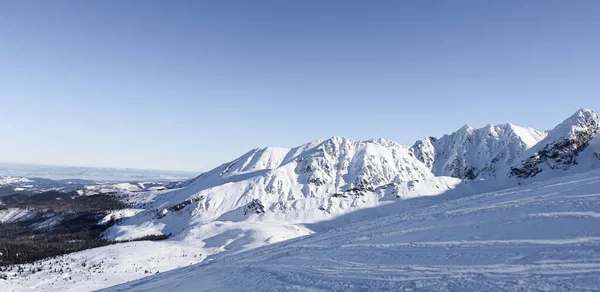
(327, 178)
(315, 181)
(273, 194)
(574, 143)
(332, 163)
(473, 153)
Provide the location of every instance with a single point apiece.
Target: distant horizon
(5, 163)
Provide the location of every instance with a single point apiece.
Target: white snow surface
(538, 237)
(97, 268)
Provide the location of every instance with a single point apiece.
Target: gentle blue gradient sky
(188, 85)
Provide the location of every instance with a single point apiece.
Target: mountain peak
(470, 153)
(585, 111)
(338, 139)
(561, 147)
(465, 128)
(583, 117)
(583, 120)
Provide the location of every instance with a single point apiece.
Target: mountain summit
(562, 147)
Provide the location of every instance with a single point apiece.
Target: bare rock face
(560, 149)
(254, 207)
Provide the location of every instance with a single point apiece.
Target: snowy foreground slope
(394, 214)
(540, 237)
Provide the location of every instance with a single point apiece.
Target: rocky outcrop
(254, 207)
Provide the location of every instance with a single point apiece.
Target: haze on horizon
(153, 85)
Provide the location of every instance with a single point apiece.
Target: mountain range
(325, 178)
(274, 194)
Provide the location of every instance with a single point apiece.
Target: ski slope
(539, 237)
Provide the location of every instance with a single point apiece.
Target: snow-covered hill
(542, 237)
(274, 194)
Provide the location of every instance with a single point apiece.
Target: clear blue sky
(188, 85)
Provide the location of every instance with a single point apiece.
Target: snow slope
(10, 215)
(540, 237)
